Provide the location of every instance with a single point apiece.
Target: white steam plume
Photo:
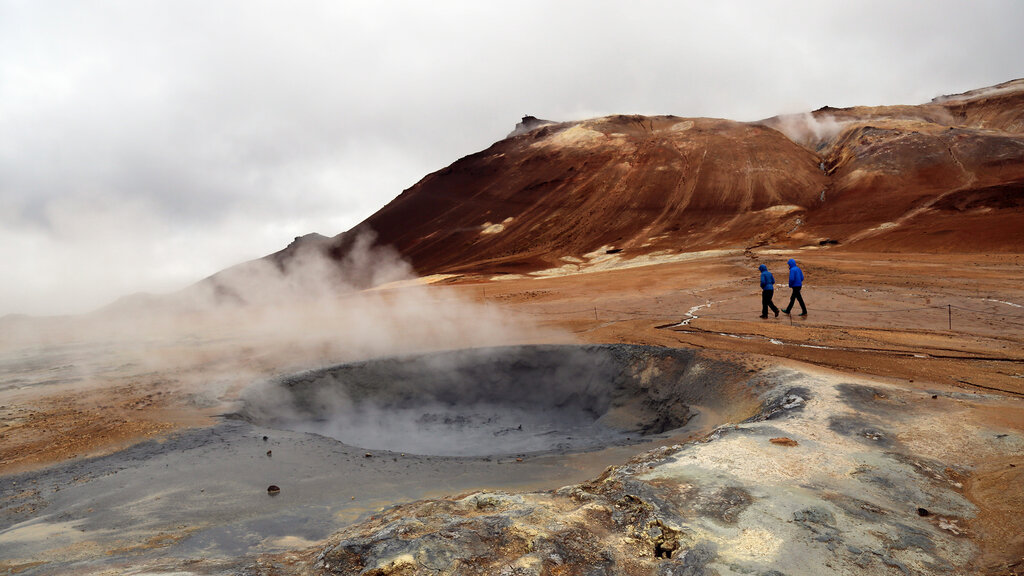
(808, 129)
(309, 312)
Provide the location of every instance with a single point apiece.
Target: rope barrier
(985, 312)
(545, 313)
(1005, 318)
(887, 311)
(654, 314)
(1002, 317)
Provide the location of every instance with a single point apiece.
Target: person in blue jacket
(796, 282)
(767, 292)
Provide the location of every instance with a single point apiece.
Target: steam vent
(496, 401)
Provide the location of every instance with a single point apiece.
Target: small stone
(784, 441)
(265, 438)
(923, 512)
(273, 490)
(950, 526)
(934, 396)
(367, 455)
(270, 453)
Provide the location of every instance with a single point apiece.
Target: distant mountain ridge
(944, 176)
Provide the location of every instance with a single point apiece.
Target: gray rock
(694, 562)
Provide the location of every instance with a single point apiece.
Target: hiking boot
(776, 313)
(786, 312)
(803, 313)
(765, 316)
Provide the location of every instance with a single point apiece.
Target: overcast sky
(145, 145)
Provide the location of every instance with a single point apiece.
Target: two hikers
(796, 282)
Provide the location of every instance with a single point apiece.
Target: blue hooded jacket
(796, 275)
(767, 280)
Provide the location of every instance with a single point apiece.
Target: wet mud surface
(202, 493)
(207, 490)
(496, 401)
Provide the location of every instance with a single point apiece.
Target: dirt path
(864, 316)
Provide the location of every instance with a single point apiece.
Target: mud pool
(491, 402)
(345, 441)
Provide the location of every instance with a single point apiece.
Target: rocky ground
(888, 440)
(819, 482)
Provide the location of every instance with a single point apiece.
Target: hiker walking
(796, 282)
(767, 292)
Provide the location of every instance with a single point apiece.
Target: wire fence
(992, 316)
(699, 312)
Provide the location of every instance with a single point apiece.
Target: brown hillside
(632, 183)
(944, 176)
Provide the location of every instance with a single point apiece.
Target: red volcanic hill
(947, 176)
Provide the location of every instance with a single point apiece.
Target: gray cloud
(144, 145)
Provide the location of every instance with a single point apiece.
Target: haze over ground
(145, 146)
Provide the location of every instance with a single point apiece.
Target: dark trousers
(766, 303)
(797, 297)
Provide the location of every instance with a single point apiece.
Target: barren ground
(924, 323)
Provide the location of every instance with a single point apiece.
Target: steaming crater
(497, 401)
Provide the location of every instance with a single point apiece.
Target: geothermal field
(547, 358)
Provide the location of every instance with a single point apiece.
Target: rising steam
(262, 319)
(809, 130)
(304, 272)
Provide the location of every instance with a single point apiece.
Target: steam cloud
(305, 274)
(808, 129)
(255, 321)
